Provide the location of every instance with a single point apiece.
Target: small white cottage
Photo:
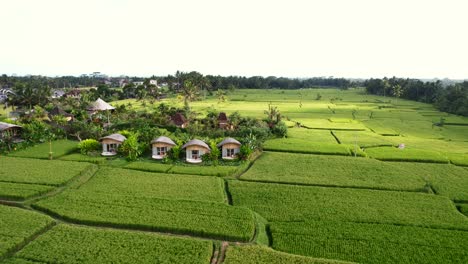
(194, 149)
(229, 148)
(111, 144)
(161, 146)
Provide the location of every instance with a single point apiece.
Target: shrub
(131, 148)
(244, 152)
(174, 153)
(88, 145)
(280, 129)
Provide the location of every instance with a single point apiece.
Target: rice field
(306, 199)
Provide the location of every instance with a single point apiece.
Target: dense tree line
(452, 98)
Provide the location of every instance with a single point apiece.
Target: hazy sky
(293, 38)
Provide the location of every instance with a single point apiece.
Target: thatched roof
(228, 141)
(222, 117)
(116, 137)
(100, 105)
(178, 119)
(163, 139)
(4, 126)
(196, 142)
(59, 111)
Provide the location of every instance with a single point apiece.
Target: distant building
(179, 120)
(58, 93)
(223, 121)
(137, 83)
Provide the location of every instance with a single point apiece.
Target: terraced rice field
(306, 199)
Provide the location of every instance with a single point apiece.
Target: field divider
(251, 161)
(75, 182)
(26, 241)
(334, 186)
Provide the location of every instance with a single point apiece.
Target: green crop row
(41, 151)
(70, 244)
(361, 138)
(445, 179)
(459, 159)
(123, 182)
(407, 154)
(21, 191)
(371, 243)
(46, 172)
(332, 171)
(17, 226)
(84, 158)
(220, 171)
(263, 254)
(206, 219)
(305, 146)
(279, 202)
(463, 208)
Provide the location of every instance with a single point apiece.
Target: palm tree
(190, 92)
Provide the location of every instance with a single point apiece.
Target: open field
(371, 243)
(41, 151)
(332, 171)
(262, 254)
(141, 200)
(22, 178)
(306, 199)
(285, 203)
(70, 244)
(18, 226)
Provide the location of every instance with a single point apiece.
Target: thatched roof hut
(229, 148)
(59, 111)
(114, 137)
(229, 141)
(194, 150)
(160, 147)
(11, 131)
(179, 120)
(111, 143)
(100, 105)
(163, 139)
(6, 126)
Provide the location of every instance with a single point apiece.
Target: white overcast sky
(293, 38)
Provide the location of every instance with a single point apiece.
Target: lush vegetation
(20, 170)
(222, 170)
(451, 99)
(70, 244)
(20, 191)
(262, 254)
(285, 203)
(305, 146)
(18, 226)
(333, 171)
(180, 204)
(371, 243)
(59, 148)
(406, 154)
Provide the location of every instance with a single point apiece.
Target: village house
(60, 112)
(179, 120)
(229, 148)
(194, 150)
(161, 146)
(10, 131)
(111, 144)
(223, 121)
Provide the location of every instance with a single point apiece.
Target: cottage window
(161, 151)
(230, 152)
(112, 148)
(195, 154)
